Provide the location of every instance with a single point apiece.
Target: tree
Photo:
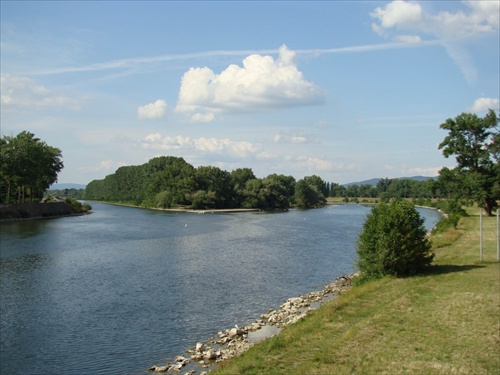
(217, 181)
(29, 166)
(239, 178)
(309, 192)
(475, 143)
(393, 242)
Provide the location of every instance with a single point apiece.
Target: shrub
(393, 242)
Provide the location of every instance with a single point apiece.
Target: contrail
(138, 61)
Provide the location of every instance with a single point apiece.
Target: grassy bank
(444, 322)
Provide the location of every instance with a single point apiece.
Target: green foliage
(447, 222)
(393, 242)
(71, 193)
(164, 199)
(474, 142)
(310, 192)
(28, 167)
(77, 206)
(203, 200)
(386, 189)
(167, 181)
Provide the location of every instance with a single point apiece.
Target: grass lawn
(446, 321)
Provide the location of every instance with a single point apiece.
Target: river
(121, 289)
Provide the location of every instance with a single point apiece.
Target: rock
(233, 332)
(158, 368)
(210, 354)
(199, 347)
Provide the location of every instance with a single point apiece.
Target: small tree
(393, 242)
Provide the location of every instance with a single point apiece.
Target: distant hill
(66, 186)
(374, 181)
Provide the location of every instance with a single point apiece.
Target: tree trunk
(488, 206)
(8, 193)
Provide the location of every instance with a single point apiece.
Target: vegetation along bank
(443, 321)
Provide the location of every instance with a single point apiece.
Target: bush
(76, 206)
(393, 242)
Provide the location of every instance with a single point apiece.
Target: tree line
(28, 166)
(168, 180)
(387, 188)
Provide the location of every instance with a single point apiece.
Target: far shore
(185, 209)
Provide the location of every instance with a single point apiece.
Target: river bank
(444, 321)
(186, 209)
(205, 356)
(31, 211)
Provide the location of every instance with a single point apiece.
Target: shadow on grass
(448, 268)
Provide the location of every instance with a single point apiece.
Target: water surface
(122, 289)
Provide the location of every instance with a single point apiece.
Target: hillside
(374, 181)
(63, 186)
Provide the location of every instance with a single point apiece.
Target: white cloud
(314, 164)
(106, 164)
(419, 171)
(23, 92)
(203, 117)
(397, 14)
(481, 17)
(225, 146)
(478, 18)
(154, 110)
(484, 104)
(212, 145)
(408, 39)
(299, 139)
(289, 137)
(261, 83)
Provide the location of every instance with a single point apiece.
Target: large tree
(28, 167)
(474, 141)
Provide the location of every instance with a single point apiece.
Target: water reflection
(122, 289)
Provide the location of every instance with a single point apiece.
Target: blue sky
(345, 90)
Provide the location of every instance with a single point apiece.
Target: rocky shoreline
(204, 357)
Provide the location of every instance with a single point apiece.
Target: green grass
(446, 321)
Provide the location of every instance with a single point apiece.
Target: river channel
(122, 289)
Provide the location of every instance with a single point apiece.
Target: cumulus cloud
(261, 83)
(484, 104)
(22, 92)
(154, 110)
(212, 145)
(399, 14)
(480, 17)
(477, 18)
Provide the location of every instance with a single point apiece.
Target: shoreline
(206, 356)
(38, 211)
(185, 209)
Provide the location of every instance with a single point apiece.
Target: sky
(346, 90)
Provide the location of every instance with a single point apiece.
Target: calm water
(122, 289)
